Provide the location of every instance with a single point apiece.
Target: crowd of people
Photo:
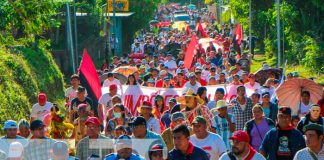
(192, 126)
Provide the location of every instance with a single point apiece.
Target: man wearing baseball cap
(314, 141)
(105, 102)
(39, 146)
(156, 152)
(123, 149)
(252, 85)
(10, 128)
(81, 99)
(284, 141)
(208, 141)
(241, 149)
(145, 111)
(90, 144)
(112, 80)
(41, 108)
(191, 84)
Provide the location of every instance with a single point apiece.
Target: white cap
(15, 150)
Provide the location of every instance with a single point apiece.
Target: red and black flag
(89, 78)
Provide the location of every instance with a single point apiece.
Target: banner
(134, 95)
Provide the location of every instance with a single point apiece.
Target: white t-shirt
(251, 89)
(187, 85)
(154, 125)
(172, 65)
(213, 144)
(107, 83)
(105, 100)
(216, 77)
(39, 112)
(257, 156)
(71, 93)
(205, 74)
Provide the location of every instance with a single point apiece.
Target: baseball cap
(199, 119)
(15, 150)
(156, 147)
(60, 148)
(163, 72)
(173, 100)
(93, 120)
(146, 104)
(42, 98)
(138, 121)
(192, 75)
(180, 63)
(221, 104)
(36, 124)
(166, 79)
(123, 141)
(10, 124)
(112, 87)
(177, 115)
(241, 136)
(158, 97)
(80, 106)
(265, 94)
(80, 89)
(285, 110)
(150, 80)
(220, 90)
(313, 126)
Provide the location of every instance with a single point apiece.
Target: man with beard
(241, 149)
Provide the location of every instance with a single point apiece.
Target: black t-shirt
(74, 107)
(284, 149)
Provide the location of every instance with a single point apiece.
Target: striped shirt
(305, 154)
(222, 128)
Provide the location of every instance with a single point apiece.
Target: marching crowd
(246, 127)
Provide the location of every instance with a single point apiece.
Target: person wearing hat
(119, 118)
(167, 83)
(182, 68)
(313, 116)
(191, 84)
(150, 83)
(202, 81)
(213, 74)
(194, 107)
(154, 73)
(219, 95)
(41, 108)
(81, 99)
(183, 148)
(166, 116)
(236, 80)
(60, 151)
(139, 128)
(24, 129)
(171, 64)
(86, 146)
(159, 83)
(314, 142)
(284, 141)
(270, 109)
(177, 118)
(146, 110)
(156, 152)
(71, 92)
(112, 80)
(252, 85)
(79, 131)
(16, 150)
(209, 142)
(10, 128)
(258, 126)
(159, 106)
(105, 101)
(241, 149)
(39, 145)
(123, 150)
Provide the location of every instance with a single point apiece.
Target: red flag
(190, 52)
(238, 33)
(202, 31)
(89, 77)
(188, 30)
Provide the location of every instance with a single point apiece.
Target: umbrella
(125, 70)
(289, 92)
(120, 77)
(137, 56)
(262, 75)
(205, 43)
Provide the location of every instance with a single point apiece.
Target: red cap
(113, 86)
(147, 104)
(42, 98)
(241, 136)
(93, 120)
(138, 61)
(251, 75)
(82, 106)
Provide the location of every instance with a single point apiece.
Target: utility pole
(250, 26)
(115, 27)
(278, 33)
(75, 34)
(70, 39)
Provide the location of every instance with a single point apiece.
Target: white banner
(134, 95)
